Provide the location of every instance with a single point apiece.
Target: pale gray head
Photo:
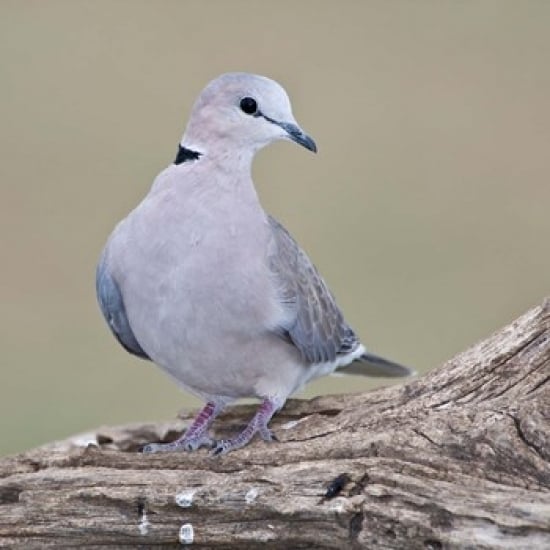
(242, 112)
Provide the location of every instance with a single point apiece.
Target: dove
(200, 280)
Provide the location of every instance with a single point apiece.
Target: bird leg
(195, 436)
(258, 424)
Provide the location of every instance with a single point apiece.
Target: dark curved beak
(296, 134)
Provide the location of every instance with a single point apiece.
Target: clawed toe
(267, 435)
(224, 446)
(221, 447)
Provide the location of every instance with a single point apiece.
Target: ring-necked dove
(200, 280)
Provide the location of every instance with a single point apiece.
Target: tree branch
(457, 458)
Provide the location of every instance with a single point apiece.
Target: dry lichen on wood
(458, 458)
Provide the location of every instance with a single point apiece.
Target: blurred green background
(426, 209)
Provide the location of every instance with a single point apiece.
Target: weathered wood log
(459, 458)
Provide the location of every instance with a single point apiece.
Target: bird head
(244, 112)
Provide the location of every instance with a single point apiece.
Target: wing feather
(313, 321)
(112, 305)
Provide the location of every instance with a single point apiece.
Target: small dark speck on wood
(336, 485)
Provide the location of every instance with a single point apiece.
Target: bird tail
(370, 364)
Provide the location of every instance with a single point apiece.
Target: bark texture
(459, 458)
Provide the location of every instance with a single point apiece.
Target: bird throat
(185, 155)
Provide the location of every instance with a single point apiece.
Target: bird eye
(248, 105)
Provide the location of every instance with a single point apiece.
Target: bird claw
(221, 447)
(224, 446)
(267, 435)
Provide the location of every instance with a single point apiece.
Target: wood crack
(528, 443)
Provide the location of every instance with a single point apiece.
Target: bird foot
(195, 437)
(258, 424)
(267, 435)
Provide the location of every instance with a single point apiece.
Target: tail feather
(370, 364)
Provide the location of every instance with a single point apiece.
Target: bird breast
(195, 275)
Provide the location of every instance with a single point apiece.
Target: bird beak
(298, 135)
(295, 133)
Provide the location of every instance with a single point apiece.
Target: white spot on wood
(251, 495)
(269, 526)
(144, 524)
(85, 440)
(185, 498)
(289, 425)
(186, 534)
(337, 506)
(292, 423)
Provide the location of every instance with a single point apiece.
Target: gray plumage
(199, 279)
(314, 323)
(112, 307)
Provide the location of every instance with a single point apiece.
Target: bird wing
(312, 321)
(112, 305)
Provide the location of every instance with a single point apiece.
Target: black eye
(248, 105)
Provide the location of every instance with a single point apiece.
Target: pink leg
(195, 436)
(258, 424)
